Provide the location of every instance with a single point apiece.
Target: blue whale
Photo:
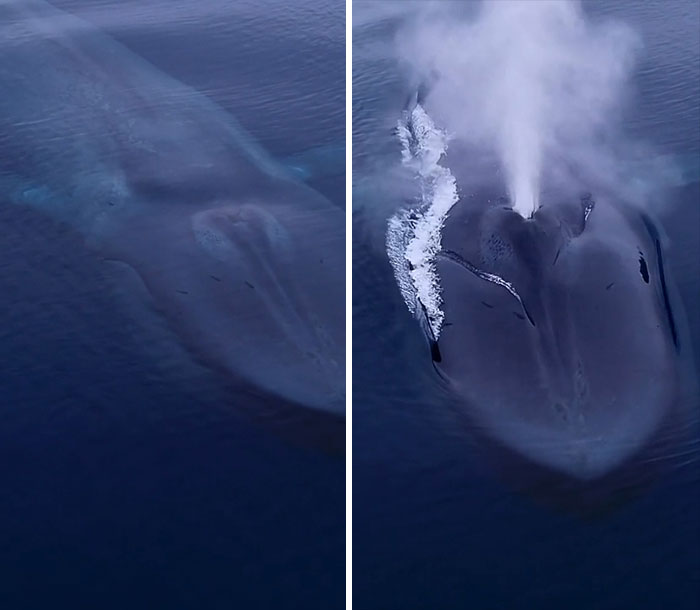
(563, 337)
(245, 262)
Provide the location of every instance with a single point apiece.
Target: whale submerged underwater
(245, 262)
(561, 336)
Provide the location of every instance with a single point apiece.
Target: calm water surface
(129, 476)
(433, 526)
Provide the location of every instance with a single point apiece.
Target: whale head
(560, 336)
(253, 287)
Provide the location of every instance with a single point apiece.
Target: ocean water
(434, 524)
(130, 476)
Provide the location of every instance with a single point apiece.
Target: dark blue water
(129, 476)
(434, 525)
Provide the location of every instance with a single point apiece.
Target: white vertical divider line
(348, 304)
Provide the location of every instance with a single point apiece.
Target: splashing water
(414, 235)
(533, 81)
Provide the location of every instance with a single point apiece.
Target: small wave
(413, 236)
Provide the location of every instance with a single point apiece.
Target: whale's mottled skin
(246, 263)
(563, 338)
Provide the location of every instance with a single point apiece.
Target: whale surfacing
(246, 263)
(238, 283)
(561, 334)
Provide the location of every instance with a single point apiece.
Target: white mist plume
(533, 80)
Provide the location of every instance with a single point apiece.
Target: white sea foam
(413, 236)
